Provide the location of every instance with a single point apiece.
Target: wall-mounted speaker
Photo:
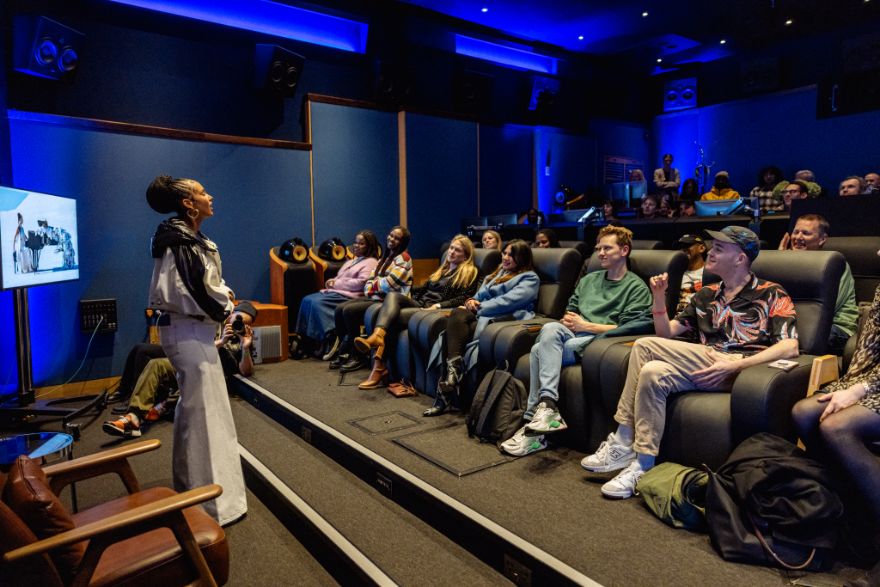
(473, 91)
(848, 94)
(46, 48)
(276, 69)
(680, 94)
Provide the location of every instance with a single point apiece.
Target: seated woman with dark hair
(510, 292)
(546, 239)
(393, 273)
(315, 320)
(451, 285)
(843, 418)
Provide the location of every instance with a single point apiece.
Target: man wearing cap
(721, 190)
(810, 234)
(234, 345)
(737, 323)
(692, 281)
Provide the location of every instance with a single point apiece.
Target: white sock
(624, 435)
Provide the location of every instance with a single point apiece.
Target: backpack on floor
(497, 408)
(676, 494)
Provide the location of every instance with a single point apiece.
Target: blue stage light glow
(507, 56)
(272, 18)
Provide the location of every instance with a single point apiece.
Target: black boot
(343, 355)
(441, 403)
(454, 370)
(356, 361)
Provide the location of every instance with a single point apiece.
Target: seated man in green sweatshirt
(603, 300)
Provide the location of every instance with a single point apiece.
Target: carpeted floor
(546, 497)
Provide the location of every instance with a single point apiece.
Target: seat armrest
(510, 340)
(762, 397)
(114, 460)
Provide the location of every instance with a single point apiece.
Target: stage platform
(468, 513)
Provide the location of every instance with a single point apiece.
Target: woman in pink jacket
(315, 321)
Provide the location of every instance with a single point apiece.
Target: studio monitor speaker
(276, 69)
(473, 91)
(46, 48)
(680, 94)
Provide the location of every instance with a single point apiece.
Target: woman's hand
(434, 307)
(472, 305)
(840, 400)
(329, 283)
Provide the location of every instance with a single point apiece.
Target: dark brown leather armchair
(149, 537)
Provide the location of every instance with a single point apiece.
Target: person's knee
(651, 376)
(834, 428)
(804, 414)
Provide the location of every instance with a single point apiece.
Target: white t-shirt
(691, 283)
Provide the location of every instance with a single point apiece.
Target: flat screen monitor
(717, 207)
(38, 239)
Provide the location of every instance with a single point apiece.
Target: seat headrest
(487, 260)
(805, 275)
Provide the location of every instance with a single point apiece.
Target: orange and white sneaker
(128, 426)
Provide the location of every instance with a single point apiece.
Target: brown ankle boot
(376, 341)
(378, 376)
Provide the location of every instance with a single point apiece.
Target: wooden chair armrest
(318, 261)
(138, 520)
(114, 460)
(824, 370)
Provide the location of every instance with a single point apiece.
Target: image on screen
(38, 238)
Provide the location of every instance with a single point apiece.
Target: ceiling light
(645, 14)
(659, 60)
(789, 22)
(580, 37)
(484, 9)
(723, 41)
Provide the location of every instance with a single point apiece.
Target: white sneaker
(624, 485)
(610, 456)
(545, 421)
(520, 445)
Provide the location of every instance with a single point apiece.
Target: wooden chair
(149, 537)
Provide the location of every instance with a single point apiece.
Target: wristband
(658, 312)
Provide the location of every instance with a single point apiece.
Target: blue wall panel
(441, 175)
(779, 129)
(505, 168)
(355, 171)
(261, 199)
(8, 370)
(562, 158)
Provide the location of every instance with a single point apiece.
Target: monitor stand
(24, 407)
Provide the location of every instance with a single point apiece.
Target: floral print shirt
(760, 315)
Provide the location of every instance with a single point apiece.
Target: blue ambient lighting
(516, 58)
(272, 18)
(484, 9)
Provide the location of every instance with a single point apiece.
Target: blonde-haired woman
(491, 240)
(449, 286)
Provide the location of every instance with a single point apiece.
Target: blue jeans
(556, 347)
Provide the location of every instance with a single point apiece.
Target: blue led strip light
(509, 56)
(271, 18)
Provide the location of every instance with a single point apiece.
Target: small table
(38, 445)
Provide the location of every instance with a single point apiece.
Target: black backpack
(497, 408)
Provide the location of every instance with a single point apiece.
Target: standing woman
(510, 292)
(392, 274)
(449, 286)
(187, 287)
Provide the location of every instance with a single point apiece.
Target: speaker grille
(267, 344)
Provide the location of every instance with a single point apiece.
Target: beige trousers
(658, 368)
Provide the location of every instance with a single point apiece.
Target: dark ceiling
(676, 31)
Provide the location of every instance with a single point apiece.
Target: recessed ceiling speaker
(276, 69)
(45, 48)
(680, 94)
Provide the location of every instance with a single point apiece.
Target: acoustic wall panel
(505, 168)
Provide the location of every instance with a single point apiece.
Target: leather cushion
(15, 534)
(154, 558)
(27, 493)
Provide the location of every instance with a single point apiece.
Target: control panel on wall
(100, 314)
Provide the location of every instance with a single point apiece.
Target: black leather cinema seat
(703, 427)
(573, 401)
(289, 283)
(861, 254)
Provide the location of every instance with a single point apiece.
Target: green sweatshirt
(602, 301)
(846, 313)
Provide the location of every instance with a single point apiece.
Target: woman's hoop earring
(192, 213)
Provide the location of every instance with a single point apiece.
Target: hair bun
(161, 196)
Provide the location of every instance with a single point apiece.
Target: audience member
(667, 179)
(491, 240)
(737, 323)
(852, 186)
(692, 281)
(315, 320)
(686, 208)
(872, 183)
(637, 186)
(690, 190)
(546, 239)
(721, 189)
(158, 378)
(650, 206)
(454, 282)
(510, 291)
(795, 190)
(810, 233)
(532, 216)
(393, 273)
(603, 301)
(840, 424)
(609, 210)
(805, 175)
(768, 178)
(814, 190)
